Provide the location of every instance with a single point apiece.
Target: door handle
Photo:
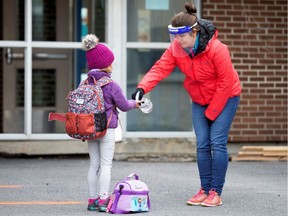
(49, 56)
(40, 56)
(10, 55)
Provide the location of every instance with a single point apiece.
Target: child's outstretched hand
(138, 103)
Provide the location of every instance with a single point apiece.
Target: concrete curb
(144, 149)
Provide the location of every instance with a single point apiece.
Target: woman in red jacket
(214, 87)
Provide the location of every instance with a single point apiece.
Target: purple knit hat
(98, 55)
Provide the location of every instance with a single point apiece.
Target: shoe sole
(103, 209)
(210, 205)
(92, 208)
(193, 204)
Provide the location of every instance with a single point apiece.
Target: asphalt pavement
(57, 186)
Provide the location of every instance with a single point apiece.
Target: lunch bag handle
(132, 175)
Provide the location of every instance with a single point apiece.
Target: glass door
(41, 61)
(52, 68)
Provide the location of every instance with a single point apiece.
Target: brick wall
(256, 33)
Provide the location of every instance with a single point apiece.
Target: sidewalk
(45, 187)
(171, 149)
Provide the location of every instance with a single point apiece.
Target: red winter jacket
(210, 78)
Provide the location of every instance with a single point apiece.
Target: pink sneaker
(103, 204)
(198, 198)
(93, 204)
(212, 200)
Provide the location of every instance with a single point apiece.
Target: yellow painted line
(10, 186)
(43, 203)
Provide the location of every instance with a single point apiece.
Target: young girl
(99, 59)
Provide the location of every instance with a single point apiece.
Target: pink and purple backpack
(86, 117)
(129, 196)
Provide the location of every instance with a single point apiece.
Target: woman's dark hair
(187, 18)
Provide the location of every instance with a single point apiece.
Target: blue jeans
(212, 136)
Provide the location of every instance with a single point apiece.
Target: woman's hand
(140, 93)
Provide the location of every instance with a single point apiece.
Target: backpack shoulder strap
(104, 81)
(101, 82)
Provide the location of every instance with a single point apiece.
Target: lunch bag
(129, 196)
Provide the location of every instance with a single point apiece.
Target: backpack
(86, 117)
(129, 196)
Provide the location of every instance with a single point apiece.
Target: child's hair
(98, 55)
(107, 70)
(187, 18)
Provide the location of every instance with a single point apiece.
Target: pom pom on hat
(98, 55)
(90, 42)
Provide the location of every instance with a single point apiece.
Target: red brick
(249, 132)
(266, 96)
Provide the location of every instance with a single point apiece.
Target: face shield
(175, 33)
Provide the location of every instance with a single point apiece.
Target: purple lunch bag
(129, 196)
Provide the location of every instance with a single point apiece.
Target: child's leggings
(101, 154)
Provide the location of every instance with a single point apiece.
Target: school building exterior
(41, 61)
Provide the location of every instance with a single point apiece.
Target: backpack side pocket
(71, 125)
(85, 124)
(100, 121)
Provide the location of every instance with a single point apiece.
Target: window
(147, 23)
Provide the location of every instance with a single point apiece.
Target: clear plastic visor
(173, 31)
(179, 30)
(176, 48)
